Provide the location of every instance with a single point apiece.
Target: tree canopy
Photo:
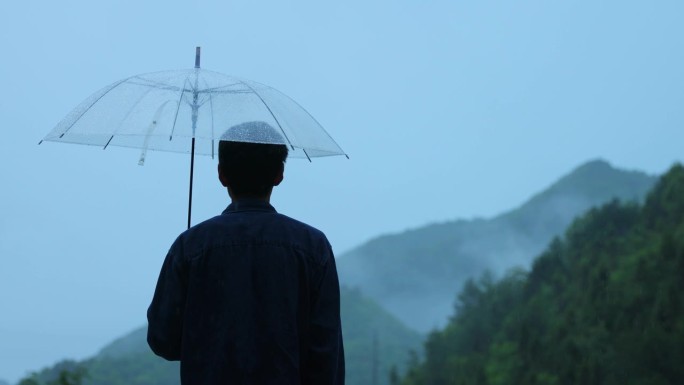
(602, 305)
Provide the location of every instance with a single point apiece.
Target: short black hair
(251, 168)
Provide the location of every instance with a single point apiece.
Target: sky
(447, 109)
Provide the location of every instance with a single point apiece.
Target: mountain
(129, 361)
(367, 326)
(604, 304)
(415, 274)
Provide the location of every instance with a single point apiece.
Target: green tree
(602, 305)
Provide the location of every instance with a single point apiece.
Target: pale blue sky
(448, 110)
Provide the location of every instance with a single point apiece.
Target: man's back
(249, 297)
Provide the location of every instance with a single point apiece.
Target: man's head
(250, 170)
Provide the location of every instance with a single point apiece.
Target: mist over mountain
(416, 274)
(603, 304)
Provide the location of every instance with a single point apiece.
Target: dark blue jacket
(249, 297)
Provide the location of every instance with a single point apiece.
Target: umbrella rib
(273, 115)
(215, 89)
(126, 117)
(175, 118)
(107, 144)
(91, 105)
(311, 116)
(154, 84)
(160, 85)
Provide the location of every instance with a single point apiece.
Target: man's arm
(325, 359)
(165, 314)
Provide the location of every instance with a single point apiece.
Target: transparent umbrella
(189, 111)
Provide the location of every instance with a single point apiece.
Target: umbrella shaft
(192, 168)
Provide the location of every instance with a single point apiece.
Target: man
(250, 296)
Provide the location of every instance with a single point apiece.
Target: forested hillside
(604, 305)
(370, 333)
(414, 274)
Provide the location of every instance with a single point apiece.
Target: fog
(448, 110)
(416, 274)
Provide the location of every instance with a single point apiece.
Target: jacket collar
(249, 205)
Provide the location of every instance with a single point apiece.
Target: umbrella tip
(197, 57)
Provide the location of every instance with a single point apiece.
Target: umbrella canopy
(165, 110)
(190, 111)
